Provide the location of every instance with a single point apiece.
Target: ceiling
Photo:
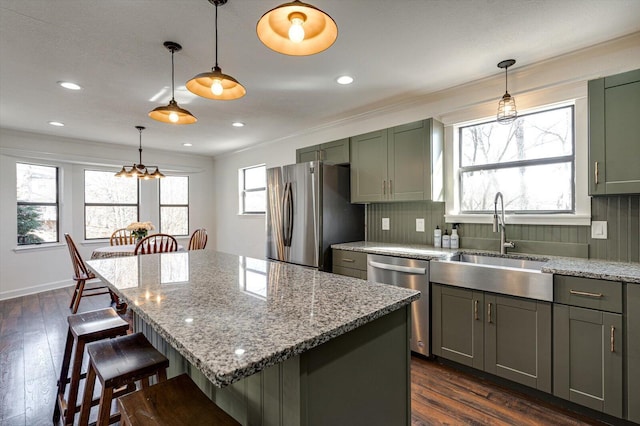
(395, 50)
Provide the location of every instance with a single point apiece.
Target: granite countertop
(232, 316)
(587, 268)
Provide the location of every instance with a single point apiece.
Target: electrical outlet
(385, 223)
(419, 224)
(599, 230)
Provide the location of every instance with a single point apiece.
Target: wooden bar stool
(83, 329)
(175, 402)
(117, 363)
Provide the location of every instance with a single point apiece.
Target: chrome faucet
(504, 244)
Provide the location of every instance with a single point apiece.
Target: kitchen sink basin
(503, 275)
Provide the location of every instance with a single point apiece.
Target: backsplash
(622, 214)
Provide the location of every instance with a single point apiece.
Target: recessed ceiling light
(56, 123)
(344, 79)
(237, 124)
(69, 85)
(187, 144)
(188, 320)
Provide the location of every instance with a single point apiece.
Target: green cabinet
(336, 152)
(588, 343)
(502, 335)
(349, 263)
(614, 134)
(403, 163)
(633, 351)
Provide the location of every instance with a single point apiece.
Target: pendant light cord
(216, 4)
(172, 78)
(140, 146)
(505, 80)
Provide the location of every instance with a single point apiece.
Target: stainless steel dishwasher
(406, 273)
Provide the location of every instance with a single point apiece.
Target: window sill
(251, 214)
(523, 219)
(35, 247)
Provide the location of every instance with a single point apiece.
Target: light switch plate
(599, 230)
(419, 224)
(385, 223)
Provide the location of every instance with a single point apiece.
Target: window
(37, 197)
(110, 203)
(174, 205)
(531, 161)
(253, 190)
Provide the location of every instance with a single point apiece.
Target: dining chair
(156, 243)
(121, 237)
(82, 274)
(198, 239)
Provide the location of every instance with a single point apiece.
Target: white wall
(28, 270)
(246, 235)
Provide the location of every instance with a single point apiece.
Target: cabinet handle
(613, 339)
(595, 172)
(489, 313)
(390, 187)
(348, 260)
(585, 293)
(384, 187)
(475, 310)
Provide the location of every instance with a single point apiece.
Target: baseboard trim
(11, 294)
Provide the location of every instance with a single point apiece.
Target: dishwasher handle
(398, 268)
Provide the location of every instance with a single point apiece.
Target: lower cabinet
(503, 335)
(349, 263)
(633, 352)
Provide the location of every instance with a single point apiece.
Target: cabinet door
(457, 324)
(369, 167)
(409, 162)
(308, 153)
(587, 361)
(336, 152)
(614, 134)
(633, 351)
(518, 340)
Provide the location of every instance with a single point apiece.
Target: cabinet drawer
(349, 272)
(350, 259)
(588, 293)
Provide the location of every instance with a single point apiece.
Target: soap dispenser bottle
(446, 239)
(455, 239)
(437, 237)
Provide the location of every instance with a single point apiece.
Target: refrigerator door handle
(287, 209)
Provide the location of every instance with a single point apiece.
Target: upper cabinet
(614, 134)
(336, 152)
(403, 163)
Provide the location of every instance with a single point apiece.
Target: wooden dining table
(107, 252)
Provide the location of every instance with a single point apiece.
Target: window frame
(571, 158)
(56, 204)
(85, 204)
(160, 205)
(243, 190)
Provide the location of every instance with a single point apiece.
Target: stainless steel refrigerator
(308, 209)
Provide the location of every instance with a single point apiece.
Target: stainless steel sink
(504, 275)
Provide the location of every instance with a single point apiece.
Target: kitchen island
(273, 343)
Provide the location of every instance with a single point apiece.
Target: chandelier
(140, 170)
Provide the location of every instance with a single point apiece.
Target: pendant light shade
(507, 106)
(172, 113)
(297, 29)
(139, 170)
(215, 84)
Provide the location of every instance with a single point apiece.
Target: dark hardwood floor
(33, 331)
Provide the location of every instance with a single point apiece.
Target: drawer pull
(613, 339)
(489, 313)
(585, 293)
(348, 260)
(475, 310)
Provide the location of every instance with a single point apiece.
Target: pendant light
(297, 29)
(215, 84)
(172, 113)
(140, 170)
(507, 106)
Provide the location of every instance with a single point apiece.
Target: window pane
(255, 201)
(37, 224)
(36, 184)
(533, 188)
(539, 135)
(105, 188)
(255, 177)
(101, 221)
(174, 190)
(174, 220)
